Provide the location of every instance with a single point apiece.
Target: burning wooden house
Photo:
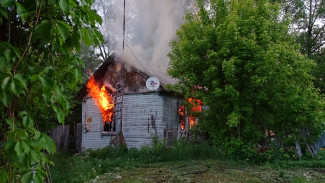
(117, 106)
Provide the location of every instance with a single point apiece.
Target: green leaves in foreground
(64, 5)
(63, 29)
(43, 30)
(26, 151)
(39, 72)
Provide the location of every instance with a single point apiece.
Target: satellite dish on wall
(152, 83)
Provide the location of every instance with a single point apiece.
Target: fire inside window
(196, 107)
(105, 102)
(181, 112)
(107, 118)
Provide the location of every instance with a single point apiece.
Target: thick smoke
(150, 26)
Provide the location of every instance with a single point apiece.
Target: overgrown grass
(174, 163)
(89, 164)
(181, 150)
(306, 162)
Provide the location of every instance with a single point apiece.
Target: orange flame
(102, 99)
(197, 107)
(192, 121)
(181, 112)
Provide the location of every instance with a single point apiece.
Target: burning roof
(134, 78)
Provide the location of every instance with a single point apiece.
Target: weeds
(91, 163)
(121, 161)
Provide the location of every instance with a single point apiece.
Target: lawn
(209, 171)
(185, 163)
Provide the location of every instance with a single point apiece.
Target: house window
(109, 126)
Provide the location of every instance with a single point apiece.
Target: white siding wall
(92, 138)
(142, 119)
(144, 115)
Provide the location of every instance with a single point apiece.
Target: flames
(181, 112)
(105, 103)
(102, 99)
(197, 107)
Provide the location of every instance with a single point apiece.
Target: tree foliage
(238, 57)
(308, 18)
(308, 23)
(38, 69)
(91, 59)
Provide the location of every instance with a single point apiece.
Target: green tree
(91, 59)
(239, 58)
(308, 22)
(308, 18)
(39, 70)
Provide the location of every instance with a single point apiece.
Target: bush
(240, 150)
(280, 154)
(321, 155)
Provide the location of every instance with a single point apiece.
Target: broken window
(109, 126)
(109, 123)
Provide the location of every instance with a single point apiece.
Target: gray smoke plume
(150, 26)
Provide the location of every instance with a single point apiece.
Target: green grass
(184, 162)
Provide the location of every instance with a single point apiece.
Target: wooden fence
(60, 136)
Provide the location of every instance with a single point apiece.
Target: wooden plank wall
(60, 136)
(142, 119)
(79, 137)
(93, 138)
(171, 104)
(144, 115)
(170, 118)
